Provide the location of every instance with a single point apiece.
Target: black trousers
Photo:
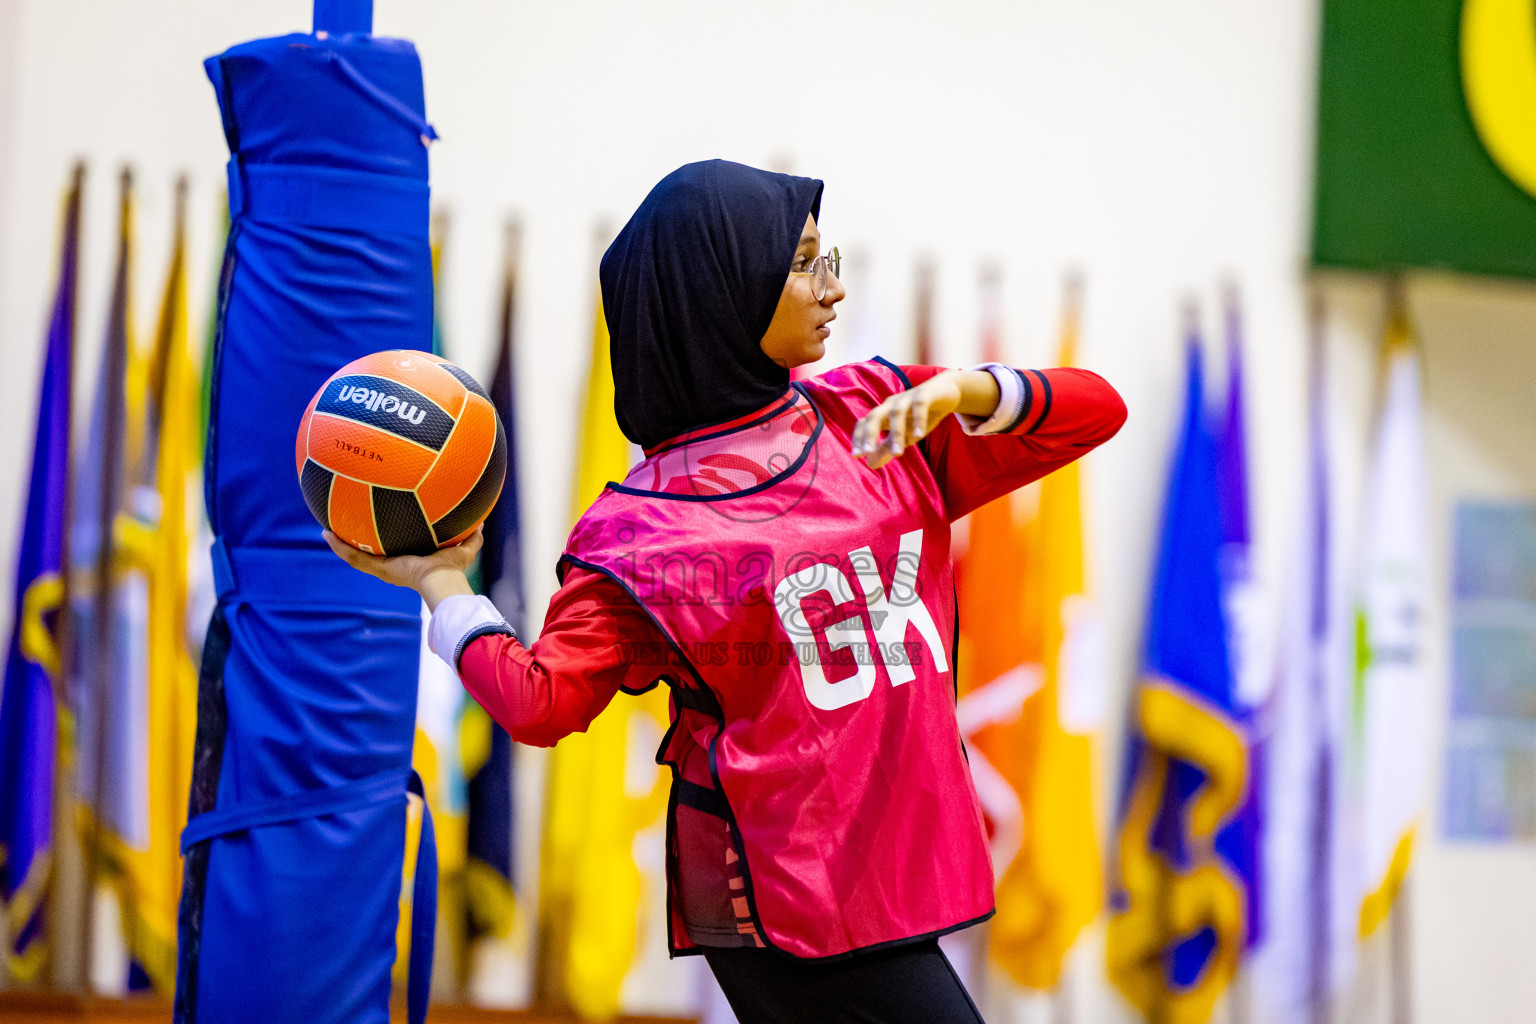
(910, 984)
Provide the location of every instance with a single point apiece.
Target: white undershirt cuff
(1010, 402)
(460, 619)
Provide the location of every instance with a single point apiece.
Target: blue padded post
(339, 17)
(307, 696)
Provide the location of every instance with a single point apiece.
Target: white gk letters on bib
(890, 611)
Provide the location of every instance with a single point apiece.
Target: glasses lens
(819, 278)
(837, 263)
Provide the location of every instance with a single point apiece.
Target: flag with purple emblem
(28, 723)
(1182, 877)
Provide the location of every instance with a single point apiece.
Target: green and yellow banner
(1426, 136)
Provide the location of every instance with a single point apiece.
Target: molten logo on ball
(378, 401)
(401, 453)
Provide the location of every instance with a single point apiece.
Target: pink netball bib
(813, 603)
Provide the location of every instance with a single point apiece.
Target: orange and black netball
(401, 453)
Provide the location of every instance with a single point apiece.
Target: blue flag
(28, 725)
(1179, 914)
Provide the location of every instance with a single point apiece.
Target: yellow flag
(603, 785)
(604, 452)
(153, 539)
(1028, 635)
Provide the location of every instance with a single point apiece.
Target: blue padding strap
(311, 803)
(375, 789)
(329, 197)
(422, 126)
(301, 578)
(418, 985)
(234, 184)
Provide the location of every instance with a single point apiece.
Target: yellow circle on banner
(1498, 77)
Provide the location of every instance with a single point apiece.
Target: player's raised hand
(907, 417)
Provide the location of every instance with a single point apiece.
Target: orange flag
(1029, 671)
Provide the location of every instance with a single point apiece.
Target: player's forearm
(979, 393)
(440, 583)
(536, 701)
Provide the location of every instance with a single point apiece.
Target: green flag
(1426, 136)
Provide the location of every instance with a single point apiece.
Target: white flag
(1391, 693)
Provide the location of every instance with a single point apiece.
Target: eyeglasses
(822, 267)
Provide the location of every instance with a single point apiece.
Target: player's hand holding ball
(401, 456)
(434, 576)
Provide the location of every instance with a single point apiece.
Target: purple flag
(1241, 605)
(28, 729)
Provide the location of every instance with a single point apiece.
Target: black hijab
(689, 288)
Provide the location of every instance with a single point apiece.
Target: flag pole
(922, 325)
(1062, 1006)
(1189, 322)
(165, 333)
(1399, 919)
(343, 16)
(1399, 952)
(511, 256)
(63, 832)
(1073, 287)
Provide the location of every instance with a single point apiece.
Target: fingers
(346, 552)
(458, 557)
(473, 542)
(921, 406)
(902, 419)
(897, 434)
(395, 570)
(906, 415)
(866, 432)
(373, 565)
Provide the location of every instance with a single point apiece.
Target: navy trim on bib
(700, 798)
(778, 407)
(779, 478)
(901, 375)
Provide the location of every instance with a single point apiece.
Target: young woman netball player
(781, 560)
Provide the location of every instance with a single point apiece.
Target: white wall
(1160, 148)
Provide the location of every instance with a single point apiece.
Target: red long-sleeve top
(559, 683)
